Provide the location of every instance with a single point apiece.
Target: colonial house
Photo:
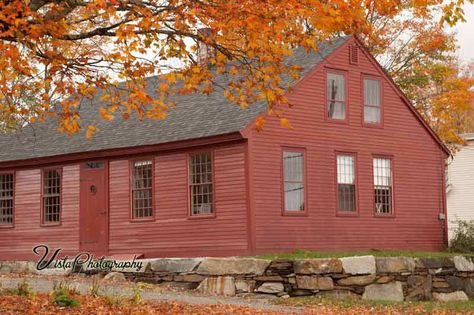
(359, 170)
(460, 185)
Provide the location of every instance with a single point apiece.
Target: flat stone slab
(359, 265)
(450, 297)
(174, 265)
(463, 263)
(395, 264)
(317, 266)
(392, 291)
(357, 280)
(17, 266)
(314, 283)
(233, 266)
(224, 286)
(271, 287)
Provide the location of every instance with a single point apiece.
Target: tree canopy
(55, 53)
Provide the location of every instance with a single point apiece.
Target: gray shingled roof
(195, 116)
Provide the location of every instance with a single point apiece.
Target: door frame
(107, 206)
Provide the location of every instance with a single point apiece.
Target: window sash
(201, 184)
(7, 186)
(293, 181)
(372, 101)
(51, 196)
(142, 189)
(336, 96)
(346, 183)
(383, 185)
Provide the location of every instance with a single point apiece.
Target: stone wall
(367, 277)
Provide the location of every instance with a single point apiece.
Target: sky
(465, 35)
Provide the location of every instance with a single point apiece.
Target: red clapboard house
(359, 170)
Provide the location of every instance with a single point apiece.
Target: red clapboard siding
(19, 241)
(173, 233)
(417, 159)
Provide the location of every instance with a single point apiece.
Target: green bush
(63, 298)
(463, 240)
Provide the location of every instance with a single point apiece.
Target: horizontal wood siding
(460, 195)
(18, 242)
(174, 233)
(417, 162)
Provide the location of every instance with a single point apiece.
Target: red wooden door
(93, 208)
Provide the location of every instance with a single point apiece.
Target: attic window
(354, 54)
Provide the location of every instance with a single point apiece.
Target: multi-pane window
(383, 185)
(142, 189)
(51, 196)
(336, 96)
(346, 183)
(372, 112)
(200, 183)
(293, 177)
(6, 198)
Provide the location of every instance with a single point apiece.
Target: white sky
(465, 34)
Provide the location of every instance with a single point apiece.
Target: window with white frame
(200, 183)
(6, 198)
(142, 189)
(293, 181)
(336, 96)
(51, 196)
(383, 191)
(346, 183)
(372, 107)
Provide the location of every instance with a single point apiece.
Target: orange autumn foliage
(54, 54)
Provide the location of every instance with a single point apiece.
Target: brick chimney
(204, 51)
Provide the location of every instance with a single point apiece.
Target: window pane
(294, 196)
(371, 114)
(371, 101)
(200, 181)
(336, 90)
(371, 92)
(345, 169)
(346, 197)
(336, 110)
(336, 96)
(382, 185)
(293, 166)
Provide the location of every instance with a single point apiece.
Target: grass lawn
(302, 254)
(379, 307)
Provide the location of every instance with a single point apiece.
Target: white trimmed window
(200, 183)
(293, 177)
(372, 103)
(383, 191)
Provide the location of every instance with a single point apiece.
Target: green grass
(302, 254)
(385, 306)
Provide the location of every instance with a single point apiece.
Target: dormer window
(336, 96)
